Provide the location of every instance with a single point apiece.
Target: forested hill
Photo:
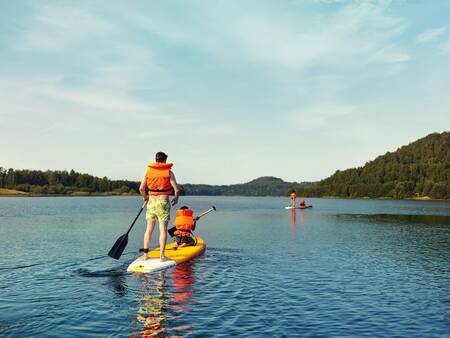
(58, 182)
(419, 169)
(263, 186)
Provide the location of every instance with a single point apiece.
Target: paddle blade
(171, 231)
(118, 247)
(214, 208)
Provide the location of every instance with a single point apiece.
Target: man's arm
(174, 184)
(143, 187)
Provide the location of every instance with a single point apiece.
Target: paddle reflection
(163, 308)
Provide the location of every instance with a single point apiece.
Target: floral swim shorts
(158, 209)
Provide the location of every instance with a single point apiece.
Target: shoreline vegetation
(16, 193)
(417, 171)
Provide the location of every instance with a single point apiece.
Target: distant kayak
(299, 207)
(175, 257)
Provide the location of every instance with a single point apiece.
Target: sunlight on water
(343, 268)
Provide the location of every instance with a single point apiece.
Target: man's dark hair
(160, 157)
(184, 207)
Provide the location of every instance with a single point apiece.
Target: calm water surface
(343, 268)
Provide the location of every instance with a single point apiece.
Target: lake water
(361, 268)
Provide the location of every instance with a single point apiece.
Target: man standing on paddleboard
(156, 186)
(293, 196)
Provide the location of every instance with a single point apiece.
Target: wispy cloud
(445, 46)
(55, 28)
(431, 35)
(321, 115)
(130, 78)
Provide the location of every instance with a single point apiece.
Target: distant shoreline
(17, 193)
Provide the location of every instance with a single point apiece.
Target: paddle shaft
(120, 244)
(139, 214)
(204, 213)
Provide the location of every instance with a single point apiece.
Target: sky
(230, 90)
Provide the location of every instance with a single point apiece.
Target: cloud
(445, 47)
(390, 54)
(440, 36)
(126, 79)
(431, 35)
(274, 38)
(321, 115)
(55, 28)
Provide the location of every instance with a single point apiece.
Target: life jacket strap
(160, 190)
(185, 231)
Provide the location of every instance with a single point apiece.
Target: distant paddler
(293, 196)
(303, 205)
(156, 186)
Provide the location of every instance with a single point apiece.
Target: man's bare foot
(164, 258)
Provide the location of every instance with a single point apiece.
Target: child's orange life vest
(184, 222)
(158, 179)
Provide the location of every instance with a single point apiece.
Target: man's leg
(148, 233)
(162, 240)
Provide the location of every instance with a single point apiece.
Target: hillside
(263, 186)
(419, 169)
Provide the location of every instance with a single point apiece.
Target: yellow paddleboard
(153, 263)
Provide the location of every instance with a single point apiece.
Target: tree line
(62, 182)
(419, 169)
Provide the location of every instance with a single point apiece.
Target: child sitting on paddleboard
(185, 224)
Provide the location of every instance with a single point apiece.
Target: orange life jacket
(184, 222)
(302, 202)
(158, 179)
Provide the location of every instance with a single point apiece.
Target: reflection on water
(294, 223)
(119, 285)
(359, 268)
(151, 306)
(397, 219)
(162, 301)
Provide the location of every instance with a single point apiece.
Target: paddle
(172, 230)
(118, 247)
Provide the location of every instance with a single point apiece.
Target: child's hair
(184, 207)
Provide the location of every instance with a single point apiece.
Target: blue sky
(231, 90)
